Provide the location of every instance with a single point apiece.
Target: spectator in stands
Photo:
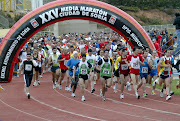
(171, 40)
(157, 46)
(177, 24)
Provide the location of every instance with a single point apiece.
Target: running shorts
(85, 77)
(28, 79)
(54, 68)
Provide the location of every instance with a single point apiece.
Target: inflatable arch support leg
(62, 10)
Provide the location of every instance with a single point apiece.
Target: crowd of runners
(80, 59)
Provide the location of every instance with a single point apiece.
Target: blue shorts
(54, 68)
(143, 75)
(154, 72)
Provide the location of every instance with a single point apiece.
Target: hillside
(153, 16)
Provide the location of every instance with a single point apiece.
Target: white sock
(157, 80)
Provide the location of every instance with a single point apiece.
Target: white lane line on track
(154, 99)
(24, 111)
(108, 109)
(65, 111)
(156, 110)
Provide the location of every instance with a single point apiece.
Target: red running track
(58, 105)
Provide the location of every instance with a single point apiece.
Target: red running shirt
(63, 63)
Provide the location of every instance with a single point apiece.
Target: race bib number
(124, 67)
(154, 67)
(166, 69)
(65, 62)
(55, 61)
(28, 67)
(135, 65)
(144, 69)
(83, 71)
(106, 71)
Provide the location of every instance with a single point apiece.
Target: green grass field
(176, 91)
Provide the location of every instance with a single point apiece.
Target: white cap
(75, 52)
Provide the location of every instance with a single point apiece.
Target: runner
(116, 74)
(177, 66)
(98, 57)
(105, 67)
(63, 58)
(135, 61)
(74, 77)
(144, 69)
(91, 59)
(154, 71)
(84, 69)
(36, 70)
(28, 66)
(55, 69)
(123, 70)
(43, 54)
(165, 73)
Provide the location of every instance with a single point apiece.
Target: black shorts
(64, 70)
(105, 77)
(74, 81)
(163, 76)
(36, 68)
(85, 77)
(28, 79)
(39, 69)
(116, 73)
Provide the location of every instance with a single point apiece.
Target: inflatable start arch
(62, 10)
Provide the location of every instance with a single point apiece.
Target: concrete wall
(75, 26)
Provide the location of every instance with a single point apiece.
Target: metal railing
(159, 27)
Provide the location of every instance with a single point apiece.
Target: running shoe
(137, 96)
(66, 88)
(73, 95)
(70, 89)
(104, 98)
(35, 83)
(168, 97)
(28, 95)
(94, 82)
(153, 93)
(145, 95)
(54, 86)
(115, 91)
(83, 98)
(128, 86)
(161, 93)
(92, 90)
(60, 87)
(121, 96)
(101, 92)
(40, 76)
(171, 93)
(38, 82)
